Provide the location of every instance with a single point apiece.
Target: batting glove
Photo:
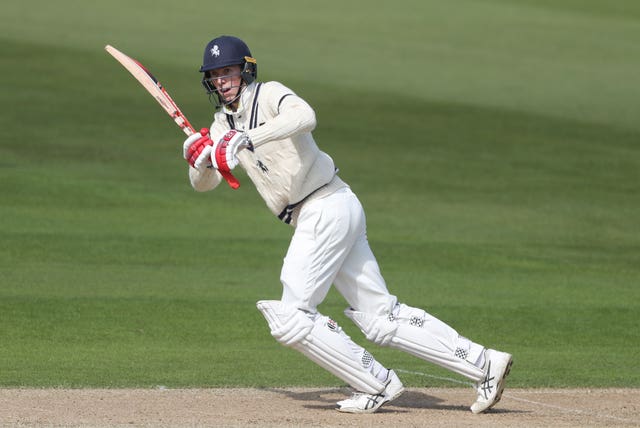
(197, 149)
(224, 156)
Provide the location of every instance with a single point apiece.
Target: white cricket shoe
(498, 365)
(361, 402)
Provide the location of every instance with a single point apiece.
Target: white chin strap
(321, 340)
(414, 331)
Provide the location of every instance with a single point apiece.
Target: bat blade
(157, 91)
(153, 86)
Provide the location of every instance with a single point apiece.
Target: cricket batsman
(265, 128)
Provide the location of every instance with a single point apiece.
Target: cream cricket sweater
(286, 165)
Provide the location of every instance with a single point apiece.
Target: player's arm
(292, 116)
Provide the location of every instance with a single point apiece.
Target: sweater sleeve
(292, 116)
(205, 179)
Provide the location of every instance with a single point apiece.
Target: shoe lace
(356, 395)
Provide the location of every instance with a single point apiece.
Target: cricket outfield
(495, 148)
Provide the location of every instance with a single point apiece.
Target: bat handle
(229, 178)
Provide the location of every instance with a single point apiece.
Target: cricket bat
(157, 91)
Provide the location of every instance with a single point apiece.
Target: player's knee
(288, 324)
(377, 328)
(380, 329)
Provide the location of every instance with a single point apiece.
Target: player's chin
(228, 94)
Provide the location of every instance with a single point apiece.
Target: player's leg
(322, 240)
(413, 330)
(321, 340)
(418, 333)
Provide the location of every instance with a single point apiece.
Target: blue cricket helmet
(224, 51)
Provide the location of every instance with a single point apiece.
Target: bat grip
(231, 180)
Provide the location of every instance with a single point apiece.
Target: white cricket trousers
(330, 246)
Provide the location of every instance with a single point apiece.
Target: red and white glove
(197, 149)
(225, 151)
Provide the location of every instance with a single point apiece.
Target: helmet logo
(215, 51)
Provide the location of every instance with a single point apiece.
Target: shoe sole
(393, 397)
(372, 410)
(375, 409)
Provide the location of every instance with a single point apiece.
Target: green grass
(493, 144)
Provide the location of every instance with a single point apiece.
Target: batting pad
(421, 335)
(321, 340)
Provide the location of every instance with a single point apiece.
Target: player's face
(227, 81)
